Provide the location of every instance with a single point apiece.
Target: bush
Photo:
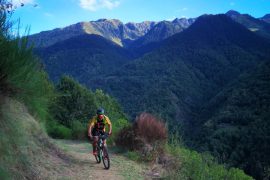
(3, 174)
(133, 155)
(74, 105)
(56, 130)
(74, 102)
(147, 136)
(21, 75)
(126, 138)
(150, 128)
(79, 131)
(196, 166)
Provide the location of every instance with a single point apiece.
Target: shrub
(79, 131)
(193, 165)
(21, 75)
(150, 128)
(56, 130)
(126, 138)
(146, 136)
(133, 155)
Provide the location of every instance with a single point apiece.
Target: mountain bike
(102, 151)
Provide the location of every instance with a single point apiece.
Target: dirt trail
(83, 164)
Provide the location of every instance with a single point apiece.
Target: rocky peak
(233, 13)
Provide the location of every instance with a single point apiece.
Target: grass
(196, 166)
(15, 140)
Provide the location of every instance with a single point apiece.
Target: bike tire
(105, 158)
(98, 157)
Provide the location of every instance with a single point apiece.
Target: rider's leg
(95, 139)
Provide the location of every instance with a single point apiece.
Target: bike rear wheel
(105, 158)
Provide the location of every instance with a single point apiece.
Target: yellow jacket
(94, 121)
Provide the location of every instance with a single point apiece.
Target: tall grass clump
(21, 74)
(150, 128)
(146, 136)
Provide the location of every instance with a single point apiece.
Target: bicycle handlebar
(103, 136)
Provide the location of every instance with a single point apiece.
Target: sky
(42, 15)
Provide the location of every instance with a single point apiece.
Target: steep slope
(28, 153)
(25, 148)
(162, 30)
(236, 124)
(258, 26)
(111, 29)
(82, 57)
(187, 70)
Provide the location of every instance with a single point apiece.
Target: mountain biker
(97, 126)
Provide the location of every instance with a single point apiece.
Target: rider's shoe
(95, 153)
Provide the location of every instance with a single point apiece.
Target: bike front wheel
(105, 158)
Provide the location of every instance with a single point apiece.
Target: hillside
(182, 78)
(258, 26)
(266, 18)
(83, 57)
(235, 123)
(28, 153)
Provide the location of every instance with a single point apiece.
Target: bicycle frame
(102, 151)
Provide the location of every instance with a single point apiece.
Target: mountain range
(186, 71)
(114, 30)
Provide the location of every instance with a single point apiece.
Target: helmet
(100, 111)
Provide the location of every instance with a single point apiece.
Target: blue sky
(41, 15)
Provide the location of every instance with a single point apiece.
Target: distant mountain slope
(266, 18)
(236, 124)
(111, 29)
(188, 69)
(258, 26)
(163, 30)
(114, 30)
(83, 57)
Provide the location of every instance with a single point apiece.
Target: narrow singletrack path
(83, 164)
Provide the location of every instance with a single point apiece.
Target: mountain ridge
(180, 46)
(111, 29)
(256, 25)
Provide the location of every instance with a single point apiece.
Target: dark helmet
(100, 111)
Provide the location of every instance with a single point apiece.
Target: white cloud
(184, 9)
(18, 3)
(94, 5)
(232, 3)
(48, 14)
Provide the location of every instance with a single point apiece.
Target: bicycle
(102, 151)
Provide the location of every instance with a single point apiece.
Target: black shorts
(96, 132)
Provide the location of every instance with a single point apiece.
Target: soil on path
(82, 164)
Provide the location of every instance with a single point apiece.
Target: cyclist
(97, 126)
